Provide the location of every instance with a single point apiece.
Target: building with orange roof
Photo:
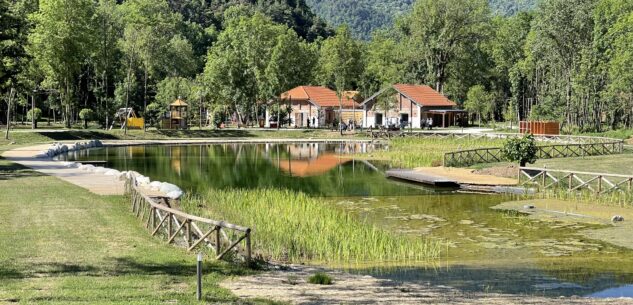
(407, 105)
(317, 106)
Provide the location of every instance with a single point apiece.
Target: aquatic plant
(291, 226)
(320, 278)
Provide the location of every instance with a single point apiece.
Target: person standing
(430, 122)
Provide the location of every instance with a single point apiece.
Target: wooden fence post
(599, 184)
(217, 240)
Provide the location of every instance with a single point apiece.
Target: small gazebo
(177, 115)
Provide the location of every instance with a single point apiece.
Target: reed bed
(587, 196)
(424, 152)
(293, 227)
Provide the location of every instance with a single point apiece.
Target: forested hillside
(364, 16)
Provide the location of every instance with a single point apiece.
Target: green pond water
(485, 250)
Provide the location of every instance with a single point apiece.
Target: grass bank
(60, 244)
(292, 226)
(412, 152)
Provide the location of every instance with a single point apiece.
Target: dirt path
(291, 286)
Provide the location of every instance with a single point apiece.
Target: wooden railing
(599, 183)
(558, 139)
(570, 146)
(194, 231)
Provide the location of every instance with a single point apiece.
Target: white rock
(168, 188)
(175, 194)
(142, 180)
(69, 164)
(155, 185)
(122, 176)
(112, 172)
(131, 174)
(100, 170)
(87, 167)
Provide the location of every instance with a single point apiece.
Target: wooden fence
(599, 183)
(193, 231)
(569, 146)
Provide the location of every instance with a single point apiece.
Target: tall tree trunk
(127, 95)
(67, 106)
(144, 95)
(10, 103)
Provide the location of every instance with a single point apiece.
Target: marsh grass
(586, 196)
(424, 152)
(291, 226)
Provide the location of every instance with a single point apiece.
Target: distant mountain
(364, 16)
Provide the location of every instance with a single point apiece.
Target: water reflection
(315, 168)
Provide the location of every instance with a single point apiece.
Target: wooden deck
(420, 177)
(451, 177)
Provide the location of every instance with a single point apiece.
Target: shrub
(34, 114)
(321, 278)
(86, 115)
(153, 113)
(522, 150)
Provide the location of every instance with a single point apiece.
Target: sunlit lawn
(60, 244)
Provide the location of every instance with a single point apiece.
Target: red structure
(539, 127)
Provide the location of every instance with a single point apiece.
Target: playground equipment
(176, 118)
(127, 116)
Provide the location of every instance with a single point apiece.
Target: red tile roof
(424, 95)
(319, 96)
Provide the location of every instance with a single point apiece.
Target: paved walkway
(94, 182)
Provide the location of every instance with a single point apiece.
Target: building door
(378, 119)
(404, 119)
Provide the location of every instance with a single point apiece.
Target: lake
(486, 250)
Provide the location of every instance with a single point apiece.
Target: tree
(148, 26)
(61, 43)
(561, 29)
(106, 54)
(243, 66)
(34, 114)
(384, 63)
(291, 64)
(341, 64)
(479, 101)
(86, 115)
(441, 29)
(522, 150)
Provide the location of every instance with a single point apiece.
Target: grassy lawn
(613, 164)
(60, 244)
(24, 137)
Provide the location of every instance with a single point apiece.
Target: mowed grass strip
(60, 244)
(424, 152)
(292, 226)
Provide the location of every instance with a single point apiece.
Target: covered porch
(448, 117)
